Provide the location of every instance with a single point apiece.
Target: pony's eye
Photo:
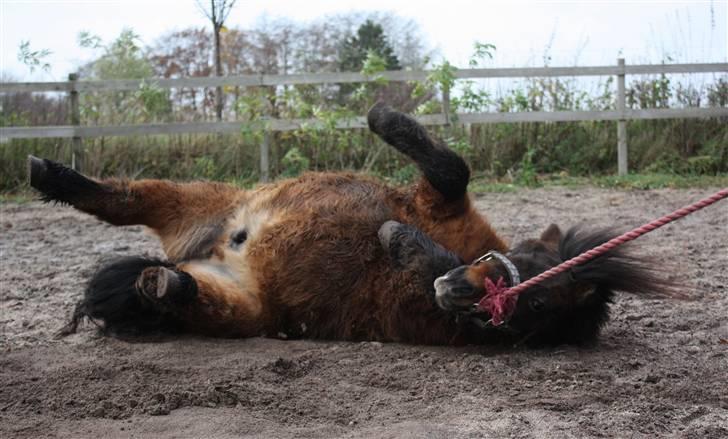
(238, 237)
(536, 304)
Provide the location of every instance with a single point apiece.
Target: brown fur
(312, 264)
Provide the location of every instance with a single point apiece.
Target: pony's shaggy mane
(617, 270)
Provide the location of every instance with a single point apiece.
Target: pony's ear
(552, 235)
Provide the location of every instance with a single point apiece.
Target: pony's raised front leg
(410, 249)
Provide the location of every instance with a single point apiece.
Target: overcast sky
(580, 32)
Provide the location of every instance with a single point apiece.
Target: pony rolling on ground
(336, 256)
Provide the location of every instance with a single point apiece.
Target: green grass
(660, 181)
(628, 182)
(17, 197)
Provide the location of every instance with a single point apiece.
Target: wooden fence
(621, 114)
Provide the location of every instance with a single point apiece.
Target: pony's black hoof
(37, 171)
(403, 243)
(387, 231)
(59, 183)
(382, 119)
(164, 286)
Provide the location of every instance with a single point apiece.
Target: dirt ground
(660, 369)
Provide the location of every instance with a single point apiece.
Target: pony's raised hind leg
(188, 217)
(445, 172)
(444, 209)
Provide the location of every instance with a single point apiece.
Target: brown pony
(333, 256)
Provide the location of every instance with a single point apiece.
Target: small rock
(158, 410)
(634, 364)
(652, 379)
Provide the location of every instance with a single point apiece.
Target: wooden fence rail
(77, 132)
(345, 77)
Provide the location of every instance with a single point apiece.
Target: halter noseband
(510, 267)
(496, 301)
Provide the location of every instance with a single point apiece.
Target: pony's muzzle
(454, 292)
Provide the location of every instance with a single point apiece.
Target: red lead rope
(500, 301)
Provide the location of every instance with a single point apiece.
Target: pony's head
(568, 308)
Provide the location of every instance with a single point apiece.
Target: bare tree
(217, 13)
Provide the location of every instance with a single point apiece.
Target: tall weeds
(521, 151)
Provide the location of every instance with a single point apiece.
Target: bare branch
(203, 9)
(224, 12)
(217, 12)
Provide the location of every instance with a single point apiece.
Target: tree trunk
(218, 72)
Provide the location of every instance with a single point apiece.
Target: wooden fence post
(76, 143)
(265, 118)
(265, 156)
(622, 122)
(446, 104)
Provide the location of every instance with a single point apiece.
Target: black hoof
(112, 299)
(59, 183)
(165, 287)
(387, 232)
(376, 116)
(385, 121)
(400, 242)
(409, 248)
(37, 170)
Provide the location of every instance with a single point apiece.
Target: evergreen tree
(369, 37)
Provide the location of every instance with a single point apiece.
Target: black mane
(576, 303)
(616, 270)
